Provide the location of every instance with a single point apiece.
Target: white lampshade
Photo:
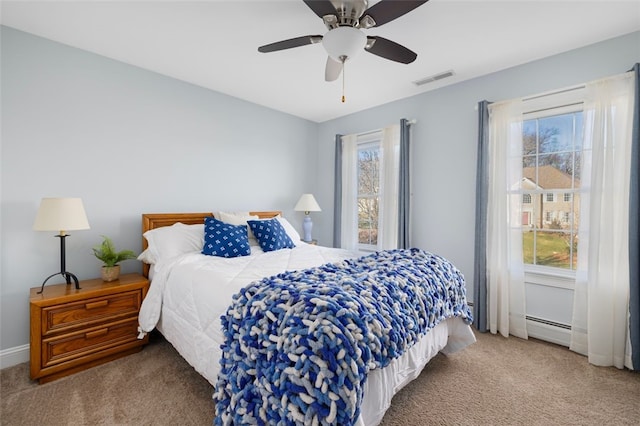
(343, 43)
(307, 203)
(61, 214)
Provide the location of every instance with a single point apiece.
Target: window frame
(548, 105)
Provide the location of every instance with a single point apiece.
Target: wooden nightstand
(72, 330)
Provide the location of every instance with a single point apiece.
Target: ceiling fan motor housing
(348, 13)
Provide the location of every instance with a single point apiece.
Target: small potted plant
(106, 252)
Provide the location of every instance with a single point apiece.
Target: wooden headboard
(158, 220)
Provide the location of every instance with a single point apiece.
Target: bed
(195, 301)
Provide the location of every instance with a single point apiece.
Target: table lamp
(61, 214)
(307, 203)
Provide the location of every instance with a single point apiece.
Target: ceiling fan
(345, 20)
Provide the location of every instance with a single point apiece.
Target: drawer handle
(96, 333)
(95, 305)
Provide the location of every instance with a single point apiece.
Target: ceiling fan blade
(292, 42)
(332, 70)
(321, 7)
(388, 10)
(390, 50)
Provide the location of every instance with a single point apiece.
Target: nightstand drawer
(63, 318)
(74, 346)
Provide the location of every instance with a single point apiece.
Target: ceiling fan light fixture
(343, 43)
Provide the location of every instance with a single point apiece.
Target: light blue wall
(127, 141)
(130, 141)
(445, 140)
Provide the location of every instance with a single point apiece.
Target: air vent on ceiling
(434, 77)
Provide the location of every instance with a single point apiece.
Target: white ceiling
(214, 43)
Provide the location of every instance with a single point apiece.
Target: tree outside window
(368, 194)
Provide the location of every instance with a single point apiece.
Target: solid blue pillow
(270, 234)
(225, 240)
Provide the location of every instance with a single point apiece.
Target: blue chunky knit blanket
(298, 345)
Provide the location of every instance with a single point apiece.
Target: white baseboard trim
(14, 356)
(549, 333)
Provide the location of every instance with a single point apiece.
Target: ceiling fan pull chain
(343, 71)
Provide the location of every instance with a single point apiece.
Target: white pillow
(147, 257)
(218, 215)
(171, 241)
(239, 219)
(235, 218)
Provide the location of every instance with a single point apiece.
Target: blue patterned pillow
(270, 234)
(225, 240)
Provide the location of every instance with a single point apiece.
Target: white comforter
(193, 291)
(190, 293)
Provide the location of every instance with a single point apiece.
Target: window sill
(551, 277)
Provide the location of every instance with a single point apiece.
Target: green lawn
(551, 247)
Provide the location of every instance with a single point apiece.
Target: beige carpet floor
(496, 381)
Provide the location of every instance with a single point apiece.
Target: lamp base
(67, 275)
(307, 225)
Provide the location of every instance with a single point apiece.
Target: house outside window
(548, 216)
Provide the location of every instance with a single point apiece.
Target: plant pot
(110, 273)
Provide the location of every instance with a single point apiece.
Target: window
(370, 182)
(552, 144)
(526, 198)
(368, 194)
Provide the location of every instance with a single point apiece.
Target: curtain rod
(555, 92)
(410, 122)
(538, 96)
(553, 107)
(368, 132)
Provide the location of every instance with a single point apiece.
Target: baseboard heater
(547, 322)
(549, 331)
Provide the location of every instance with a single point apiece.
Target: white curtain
(505, 268)
(600, 327)
(349, 230)
(389, 182)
